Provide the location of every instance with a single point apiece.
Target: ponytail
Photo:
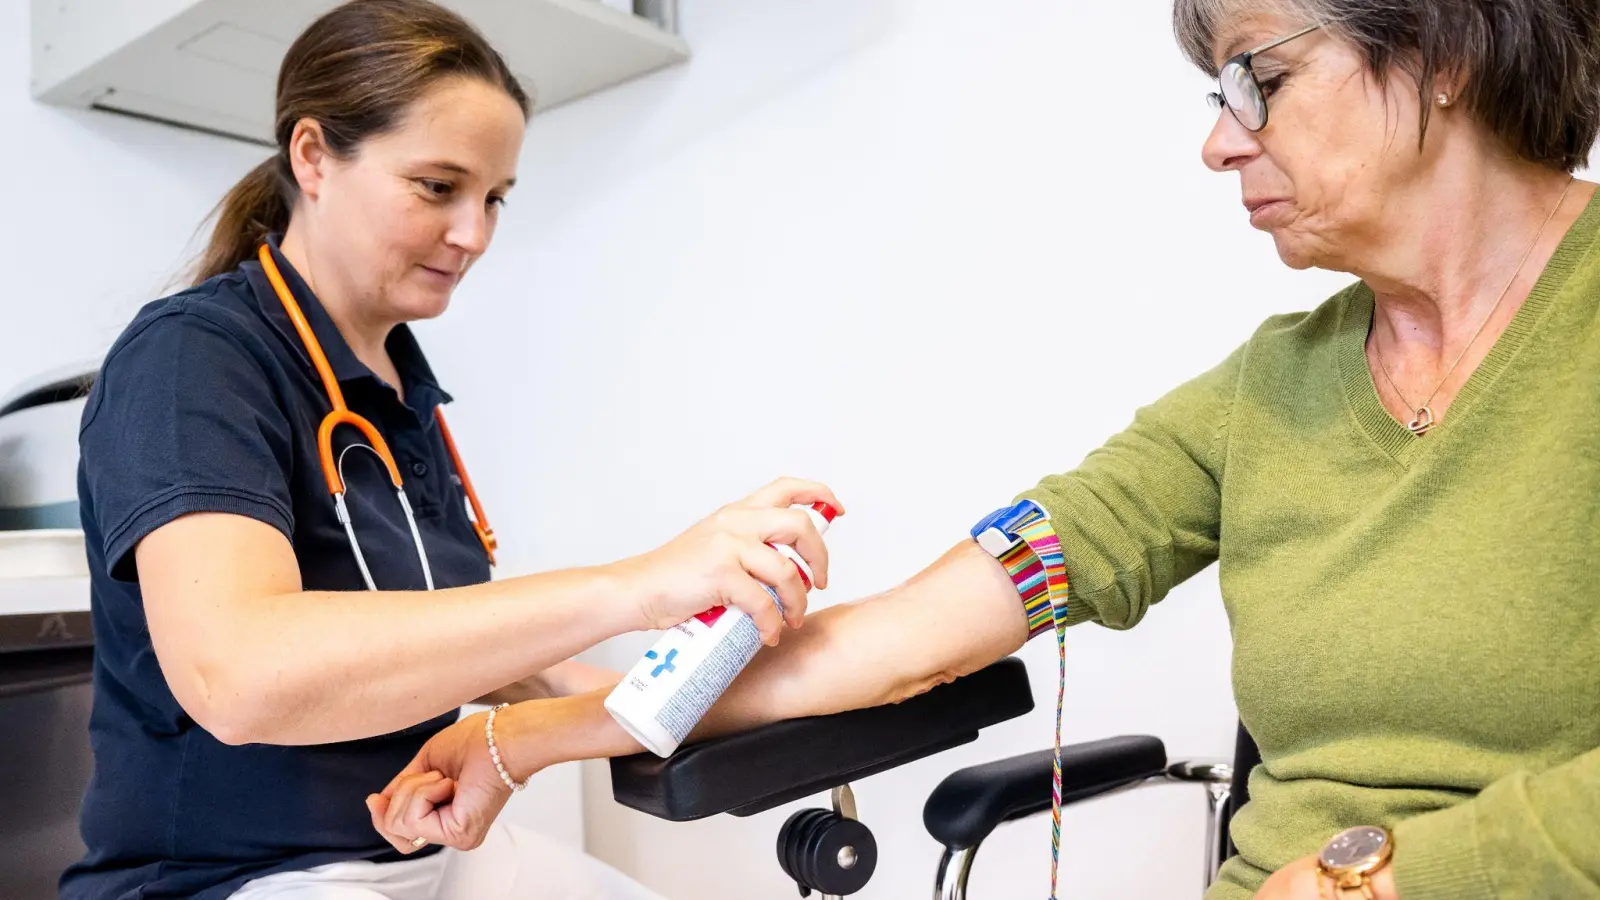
(355, 72)
(256, 207)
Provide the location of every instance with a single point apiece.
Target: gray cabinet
(44, 765)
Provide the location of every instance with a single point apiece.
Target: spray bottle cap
(822, 515)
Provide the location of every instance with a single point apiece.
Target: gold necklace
(1423, 420)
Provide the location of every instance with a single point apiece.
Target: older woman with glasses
(1401, 486)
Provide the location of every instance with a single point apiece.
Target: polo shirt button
(419, 469)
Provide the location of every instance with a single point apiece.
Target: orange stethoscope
(333, 471)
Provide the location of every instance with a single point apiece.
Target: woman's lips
(1263, 211)
(440, 276)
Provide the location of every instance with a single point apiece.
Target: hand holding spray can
(666, 693)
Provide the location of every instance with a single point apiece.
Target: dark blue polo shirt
(208, 402)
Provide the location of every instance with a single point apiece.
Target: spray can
(671, 688)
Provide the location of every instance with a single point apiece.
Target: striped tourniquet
(1038, 536)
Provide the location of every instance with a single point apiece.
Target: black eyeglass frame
(1238, 69)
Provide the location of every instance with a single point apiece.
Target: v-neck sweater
(1415, 619)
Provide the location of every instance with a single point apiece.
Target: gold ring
(418, 843)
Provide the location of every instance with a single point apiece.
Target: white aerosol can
(671, 688)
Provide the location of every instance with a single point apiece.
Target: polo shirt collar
(415, 373)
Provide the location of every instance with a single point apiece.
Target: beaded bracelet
(494, 752)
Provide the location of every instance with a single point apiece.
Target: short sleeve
(182, 419)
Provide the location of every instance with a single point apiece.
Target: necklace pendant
(1422, 422)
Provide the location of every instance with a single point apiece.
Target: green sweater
(1416, 621)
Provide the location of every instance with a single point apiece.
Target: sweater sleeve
(1524, 837)
(1142, 513)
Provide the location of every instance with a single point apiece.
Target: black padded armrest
(748, 773)
(971, 803)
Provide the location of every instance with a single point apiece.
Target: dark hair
(1529, 69)
(355, 71)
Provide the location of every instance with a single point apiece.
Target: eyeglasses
(1238, 88)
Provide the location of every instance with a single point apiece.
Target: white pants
(513, 864)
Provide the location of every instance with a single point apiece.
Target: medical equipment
(44, 574)
(1040, 574)
(672, 687)
(39, 450)
(46, 639)
(969, 804)
(333, 471)
(824, 850)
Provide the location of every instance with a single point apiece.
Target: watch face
(1355, 846)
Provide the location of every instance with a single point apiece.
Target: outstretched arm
(1141, 514)
(560, 680)
(957, 616)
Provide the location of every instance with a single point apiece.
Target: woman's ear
(308, 157)
(1447, 88)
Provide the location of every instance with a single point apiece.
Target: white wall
(803, 253)
(98, 214)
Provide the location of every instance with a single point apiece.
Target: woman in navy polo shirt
(252, 688)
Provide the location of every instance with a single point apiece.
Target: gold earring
(1444, 99)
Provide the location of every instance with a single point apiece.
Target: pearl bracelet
(494, 752)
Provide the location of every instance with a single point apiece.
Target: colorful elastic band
(1021, 538)
(1027, 573)
(1042, 539)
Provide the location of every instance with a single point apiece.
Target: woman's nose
(1230, 145)
(469, 230)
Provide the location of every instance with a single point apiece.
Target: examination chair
(830, 852)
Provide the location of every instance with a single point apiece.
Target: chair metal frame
(1226, 790)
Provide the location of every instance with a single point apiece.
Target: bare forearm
(563, 679)
(957, 616)
(255, 658)
(319, 667)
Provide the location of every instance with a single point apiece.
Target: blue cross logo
(666, 665)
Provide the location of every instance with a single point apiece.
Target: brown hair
(354, 71)
(1531, 68)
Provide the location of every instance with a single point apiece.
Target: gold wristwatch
(1351, 856)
